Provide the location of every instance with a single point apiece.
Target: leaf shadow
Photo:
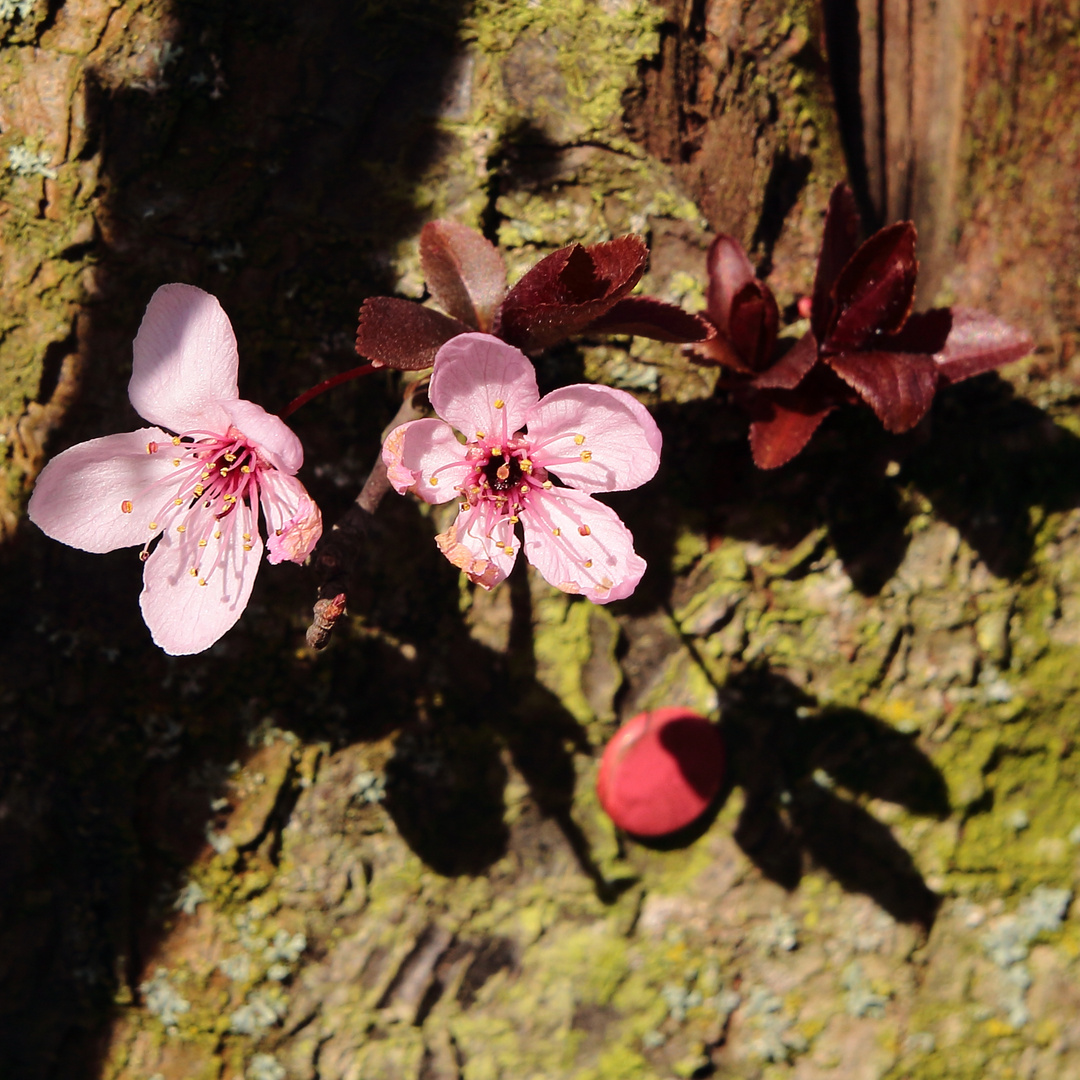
(803, 769)
(989, 462)
(446, 783)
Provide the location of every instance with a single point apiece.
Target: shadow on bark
(803, 769)
(446, 781)
(990, 464)
(270, 157)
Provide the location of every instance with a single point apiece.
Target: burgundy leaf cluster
(864, 344)
(571, 291)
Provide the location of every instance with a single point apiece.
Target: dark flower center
(502, 473)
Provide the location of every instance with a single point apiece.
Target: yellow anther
(245, 468)
(433, 480)
(178, 502)
(230, 457)
(524, 489)
(526, 465)
(153, 524)
(514, 519)
(584, 530)
(247, 536)
(202, 543)
(176, 440)
(181, 528)
(498, 403)
(205, 475)
(463, 507)
(579, 439)
(496, 451)
(587, 563)
(176, 462)
(199, 489)
(247, 547)
(556, 532)
(194, 571)
(202, 581)
(126, 507)
(475, 489)
(547, 485)
(586, 455)
(481, 434)
(225, 472)
(217, 535)
(508, 549)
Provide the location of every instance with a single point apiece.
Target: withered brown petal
(782, 424)
(875, 291)
(568, 289)
(753, 323)
(899, 387)
(979, 342)
(648, 317)
(729, 270)
(403, 334)
(839, 242)
(464, 272)
(791, 368)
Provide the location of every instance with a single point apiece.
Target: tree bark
(387, 859)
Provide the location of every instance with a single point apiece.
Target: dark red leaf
(729, 270)
(464, 272)
(839, 243)
(754, 321)
(403, 334)
(979, 342)
(899, 387)
(875, 291)
(924, 332)
(648, 317)
(791, 368)
(569, 289)
(782, 423)
(718, 350)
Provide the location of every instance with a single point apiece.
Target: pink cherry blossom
(191, 498)
(591, 438)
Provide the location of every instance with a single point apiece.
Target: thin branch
(340, 549)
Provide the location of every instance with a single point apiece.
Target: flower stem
(322, 387)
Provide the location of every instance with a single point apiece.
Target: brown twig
(340, 548)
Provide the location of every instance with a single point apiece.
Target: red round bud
(660, 771)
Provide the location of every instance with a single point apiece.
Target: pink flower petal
(594, 438)
(481, 384)
(80, 496)
(481, 546)
(425, 457)
(184, 616)
(580, 545)
(275, 439)
(293, 521)
(185, 361)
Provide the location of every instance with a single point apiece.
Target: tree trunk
(387, 860)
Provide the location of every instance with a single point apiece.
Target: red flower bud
(660, 771)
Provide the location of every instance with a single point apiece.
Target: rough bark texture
(387, 860)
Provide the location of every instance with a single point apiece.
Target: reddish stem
(329, 384)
